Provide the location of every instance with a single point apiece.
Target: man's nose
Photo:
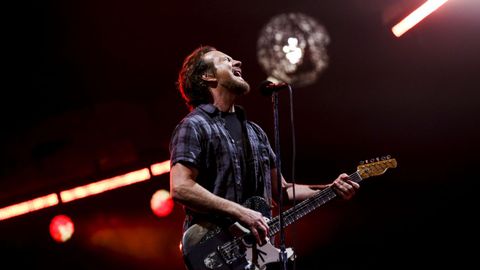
(237, 63)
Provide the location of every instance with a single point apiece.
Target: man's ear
(209, 77)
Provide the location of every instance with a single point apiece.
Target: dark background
(89, 93)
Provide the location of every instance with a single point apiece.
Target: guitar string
(323, 194)
(296, 212)
(274, 222)
(234, 244)
(304, 204)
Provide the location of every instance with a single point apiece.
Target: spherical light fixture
(292, 48)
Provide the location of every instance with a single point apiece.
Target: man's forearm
(201, 200)
(302, 192)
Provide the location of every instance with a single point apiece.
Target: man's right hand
(257, 224)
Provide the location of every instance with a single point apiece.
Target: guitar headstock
(376, 166)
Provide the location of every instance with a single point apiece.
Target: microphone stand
(283, 252)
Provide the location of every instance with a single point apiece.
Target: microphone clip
(268, 87)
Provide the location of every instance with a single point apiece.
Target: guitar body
(201, 245)
(206, 246)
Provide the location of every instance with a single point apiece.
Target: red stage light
(161, 203)
(61, 228)
(416, 16)
(160, 168)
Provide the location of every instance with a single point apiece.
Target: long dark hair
(193, 88)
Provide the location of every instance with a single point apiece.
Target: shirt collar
(213, 111)
(209, 108)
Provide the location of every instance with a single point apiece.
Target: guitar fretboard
(303, 208)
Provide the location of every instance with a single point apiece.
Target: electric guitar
(206, 246)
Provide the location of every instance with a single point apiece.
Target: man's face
(228, 73)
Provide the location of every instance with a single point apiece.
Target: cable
(293, 171)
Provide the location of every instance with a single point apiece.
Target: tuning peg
(372, 160)
(362, 162)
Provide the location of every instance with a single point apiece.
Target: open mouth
(237, 73)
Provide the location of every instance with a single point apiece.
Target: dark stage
(89, 93)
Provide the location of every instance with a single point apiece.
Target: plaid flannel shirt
(201, 140)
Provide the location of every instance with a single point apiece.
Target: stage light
(292, 48)
(28, 206)
(416, 16)
(160, 168)
(105, 185)
(84, 191)
(292, 52)
(61, 228)
(161, 203)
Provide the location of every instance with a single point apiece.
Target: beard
(237, 86)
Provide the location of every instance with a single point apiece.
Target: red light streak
(416, 16)
(104, 185)
(160, 168)
(84, 191)
(28, 206)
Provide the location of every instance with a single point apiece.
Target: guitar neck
(306, 206)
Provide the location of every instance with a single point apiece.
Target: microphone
(267, 87)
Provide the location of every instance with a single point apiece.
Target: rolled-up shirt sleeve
(185, 145)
